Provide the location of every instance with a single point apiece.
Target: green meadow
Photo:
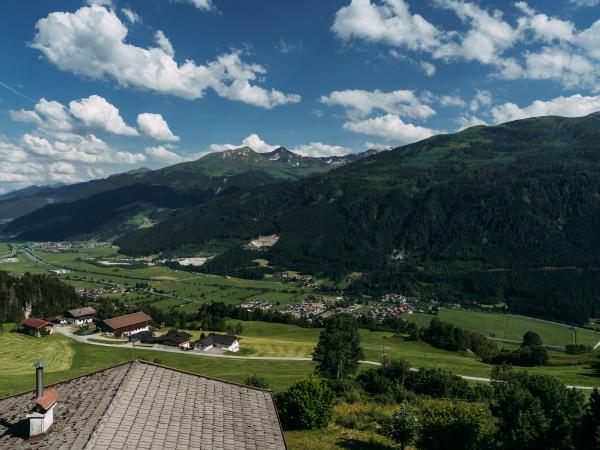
(506, 326)
(67, 358)
(166, 288)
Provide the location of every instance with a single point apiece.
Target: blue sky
(91, 88)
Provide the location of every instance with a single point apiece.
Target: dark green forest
(46, 296)
(509, 214)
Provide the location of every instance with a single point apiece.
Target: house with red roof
(37, 327)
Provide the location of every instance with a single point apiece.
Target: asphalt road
(85, 339)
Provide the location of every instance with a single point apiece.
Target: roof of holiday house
(36, 323)
(221, 339)
(57, 318)
(176, 338)
(143, 336)
(128, 320)
(81, 312)
(143, 405)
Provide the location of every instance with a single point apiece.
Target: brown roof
(143, 405)
(80, 312)
(126, 321)
(48, 398)
(35, 323)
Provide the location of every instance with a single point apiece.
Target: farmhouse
(37, 327)
(140, 405)
(57, 320)
(126, 325)
(175, 339)
(80, 316)
(218, 341)
(178, 339)
(145, 337)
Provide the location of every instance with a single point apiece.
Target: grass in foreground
(85, 358)
(336, 437)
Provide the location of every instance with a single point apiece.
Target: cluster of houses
(100, 292)
(77, 316)
(136, 327)
(307, 308)
(57, 247)
(253, 305)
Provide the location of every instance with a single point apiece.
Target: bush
(365, 420)
(454, 425)
(438, 383)
(530, 339)
(307, 404)
(403, 426)
(576, 349)
(256, 381)
(528, 356)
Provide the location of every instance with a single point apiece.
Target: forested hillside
(107, 207)
(508, 213)
(43, 295)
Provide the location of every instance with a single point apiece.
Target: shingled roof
(128, 320)
(36, 323)
(140, 405)
(221, 339)
(81, 312)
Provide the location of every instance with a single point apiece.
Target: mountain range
(499, 215)
(508, 214)
(108, 207)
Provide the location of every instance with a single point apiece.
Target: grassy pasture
(24, 265)
(18, 352)
(273, 339)
(67, 358)
(194, 286)
(197, 288)
(506, 326)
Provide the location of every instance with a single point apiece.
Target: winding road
(86, 340)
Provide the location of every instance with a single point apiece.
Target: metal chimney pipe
(39, 378)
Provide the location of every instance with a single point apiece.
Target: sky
(89, 88)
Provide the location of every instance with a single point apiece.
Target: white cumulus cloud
(390, 127)
(390, 21)
(253, 141)
(154, 126)
(360, 103)
(92, 42)
(96, 112)
(161, 153)
(318, 149)
(552, 48)
(573, 106)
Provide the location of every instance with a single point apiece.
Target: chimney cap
(39, 364)
(47, 400)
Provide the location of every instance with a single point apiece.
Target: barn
(124, 326)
